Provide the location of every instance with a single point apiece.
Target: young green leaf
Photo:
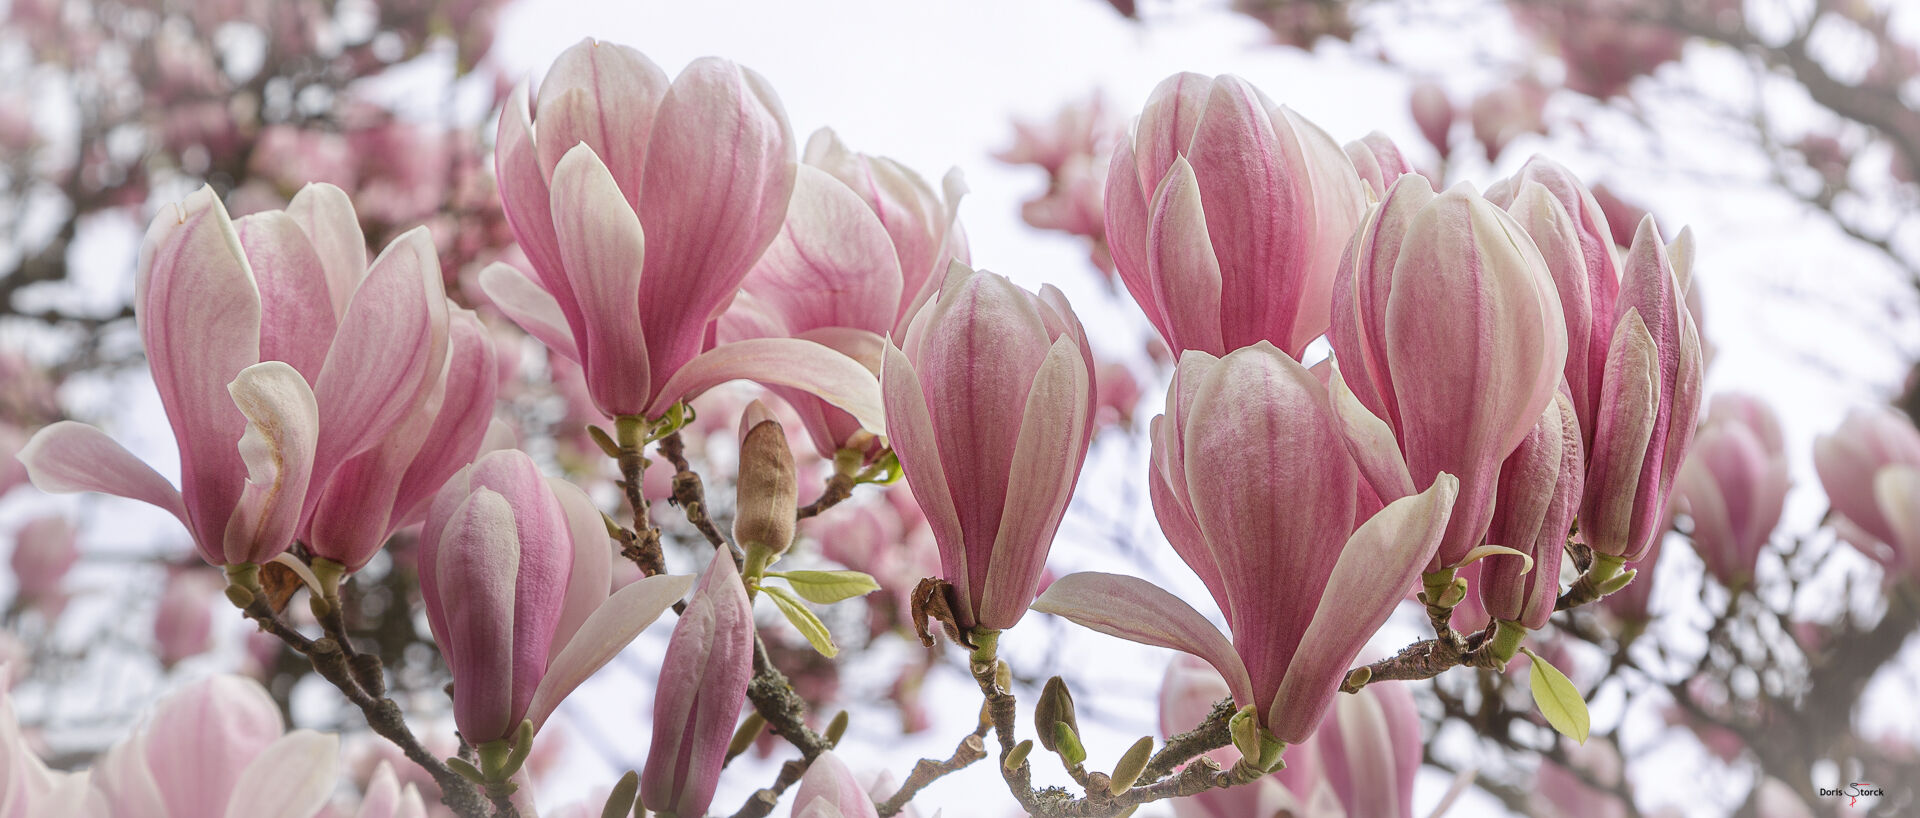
(828, 587)
(1558, 699)
(810, 626)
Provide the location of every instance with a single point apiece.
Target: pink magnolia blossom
(990, 404)
(43, 553)
(1378, 161)
(1254, 486)
(829, 790)
(1506, 112)
(1450, 342)
(218, 748)
(703, 682)
(1533, 511)
(851, 264)
(515, 571)
(1870, 468)
(183, 623)
(630, 275)
(1227, 215)
(1648, 403)
(28, 787)
(279, 354)
(1369, 751)
(1187, 695)
(1572, 232)
(1433, 113)
(1734, 485)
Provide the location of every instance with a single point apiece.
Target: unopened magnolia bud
(1054, 707)
(769, 492)
(1018, 755)
(1244, 727)
(837, 727)
(1131, 764)
(1066, 742)
(620, 801)
(746, 734)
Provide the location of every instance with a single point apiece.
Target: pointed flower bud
(1253, 484)
(642, 205)
(990, 410)
(1433, 113)
(1447, 328)
(1379, 162)
(703, 681)
(1532, 513)
(1054, 707)
(515, 574)
(1649, 401)
(829, 790)
(1226, 215)
(767, 491)
(1734, 485)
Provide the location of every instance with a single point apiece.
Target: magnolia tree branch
(1100, 801)
(971, 749)
(363, 684)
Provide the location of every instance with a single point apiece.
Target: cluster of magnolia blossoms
(1498, 367)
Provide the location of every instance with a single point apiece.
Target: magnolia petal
(1370, 441)
(602, 95)
(1377, 565)
(462, 410)
(830, 789)
(910, 431)
(592, 576)
(67, 457)
(1128, 223)
(530, 306)
(833, 263)
(603, 248)
(326, 215)
(292, 778)
(278, 448)
(479, 610)
(296, 309)
(1625, 424)
(1139, 611)
(1049, 451)
(392, 340)
(1182, 269)
(804, 365)
(602, 636)
(719, 173)
(199, 315)
(1897, 488)
(528, 205)
(697, 703)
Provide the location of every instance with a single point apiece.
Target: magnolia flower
(218, 747)
(279, 354)
(515, 570)
(1187, 695)
(1227, 215)
(853, 262)
(1870, 468)
(1645, 415)
(1378, 161)
(43, 553)
(1371, 739)
(630, 275)
(703, 682)
(990, 409)
(1254, 486)
(1448, 332)
(1533, 511)
(829, 790)
(183, 622)
(1433, 113)
(1734, 485)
